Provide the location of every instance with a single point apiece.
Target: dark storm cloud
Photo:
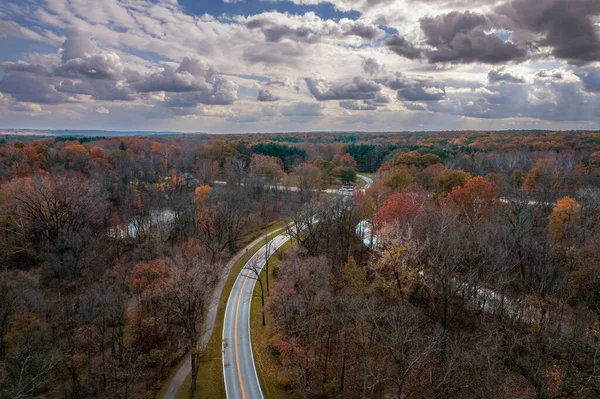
(461, 38)
(564, 25)
(266, 96)
(403, 47)
(358, 89)
(458, 38)
(442, 29)
(500, 75)
(303, 110)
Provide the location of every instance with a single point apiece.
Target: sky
(235, 66)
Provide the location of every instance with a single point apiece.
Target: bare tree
(62, 214)
(186, 294)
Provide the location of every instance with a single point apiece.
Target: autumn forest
(419, 265)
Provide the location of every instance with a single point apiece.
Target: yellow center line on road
(235, 338)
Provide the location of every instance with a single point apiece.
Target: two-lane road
(239, 370)
(241, 378)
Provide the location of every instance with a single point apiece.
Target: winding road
(186, 367)
(239, 370)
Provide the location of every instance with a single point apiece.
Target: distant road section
(241, 378)
(368, 180)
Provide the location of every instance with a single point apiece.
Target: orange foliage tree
(564, 217)
(476, 199)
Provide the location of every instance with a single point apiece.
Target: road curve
(239, 370)
(367, 180)
(186, 367)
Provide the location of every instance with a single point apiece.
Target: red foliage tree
(398, 208)
(476, 199)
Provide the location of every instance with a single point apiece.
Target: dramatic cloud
(309, 28)
(358, 89)
(461, 38)
(551, 75)
(566, 26)
(222, 92)
(403, 47)
(83, 69)
(190, 75)
(421, 92)
(411, 89)
(500, 75)
(82, 58)
(462, 62)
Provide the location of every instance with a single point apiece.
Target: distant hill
(88, 133)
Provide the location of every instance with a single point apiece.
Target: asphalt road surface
(186, 367)
(368, 180)
(239, 370)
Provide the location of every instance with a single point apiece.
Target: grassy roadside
(360, 183)
(269, 372)
(210, 374)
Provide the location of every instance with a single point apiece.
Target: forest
(478, 275)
